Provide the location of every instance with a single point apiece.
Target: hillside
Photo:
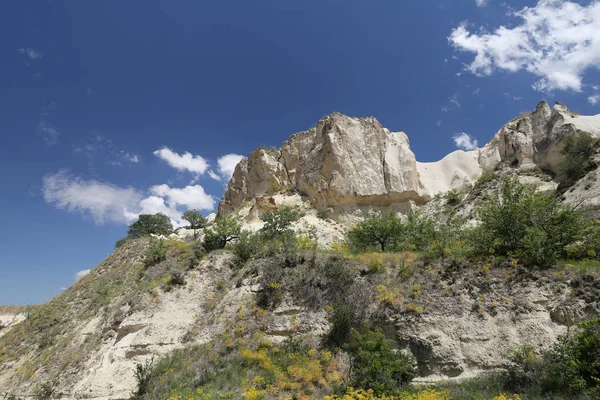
(270, 313)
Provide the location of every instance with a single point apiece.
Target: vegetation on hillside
(389, 265)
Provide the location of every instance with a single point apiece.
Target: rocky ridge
(349, 165)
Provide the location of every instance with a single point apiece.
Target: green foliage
(248, 246)
(341, 320)
(571, 366)
(322, 213)
(378, 229)
(485, 178)
(453, 197)
(524, 223)
(224, 230)
(157, 224)
(143, 376)
(121, 242)
(278, 222)
(578, 151)
(376, 366)
(157, 251)
(196, 220)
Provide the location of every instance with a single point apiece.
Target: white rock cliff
(347, 163)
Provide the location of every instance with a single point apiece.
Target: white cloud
(556, 41)
(105, 202)
(49, 132)
(227, 164)
(102, 201)
(481, 3)
(183, 162)
(81, 274)
(31, 53)
(189, 197)
(213, 175)
(595, 99)
(452, 102)
(134, 158)
(465, 141)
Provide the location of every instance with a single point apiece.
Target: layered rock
(349, 163)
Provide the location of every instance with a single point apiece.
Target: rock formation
(348, 163)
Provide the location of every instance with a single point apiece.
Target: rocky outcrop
(9, 317)
(348, 163)
(341, 161)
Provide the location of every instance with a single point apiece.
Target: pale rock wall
(355, 164)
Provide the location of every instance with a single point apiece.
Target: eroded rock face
(341, 161)
(352, 163)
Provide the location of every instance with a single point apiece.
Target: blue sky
(100, 101)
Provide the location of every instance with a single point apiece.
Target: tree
(374, 365)
(224, 230)
(522, 222)
(196, 220)
(279, 221)
(378, 229)
(578, 151)
(157, 224)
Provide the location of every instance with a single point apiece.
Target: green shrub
(147, 224)
(157, 252)
(578, 150)
(571, 366)
(376, 366)
(272, 279)
(248, 246)
(143, 376)
(486, 177)
(522, 222)
(322, 213)
(121, 242)
(224, 230)
(377, 230)
(453, 197)
(196, 220)
(279, 222)
(342, 319)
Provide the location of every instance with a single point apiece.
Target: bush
(376, 366)
(322, 213)
(571, 366)
(578, 151)
(147, 224)
(521, 222)
(176, 277)
(224, 230)
(453, 197)
(143, 376)
(157, 251)
(341, 320)
(278, 222)
(121, 242)
(196, 220)
(377, 230)
(248, 246)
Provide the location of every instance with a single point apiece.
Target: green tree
(374, 365)
(196, 220)
(157, 224)
(578, 151)
(378, 229)
(224, 230)
(522, 222)
(278, 222)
